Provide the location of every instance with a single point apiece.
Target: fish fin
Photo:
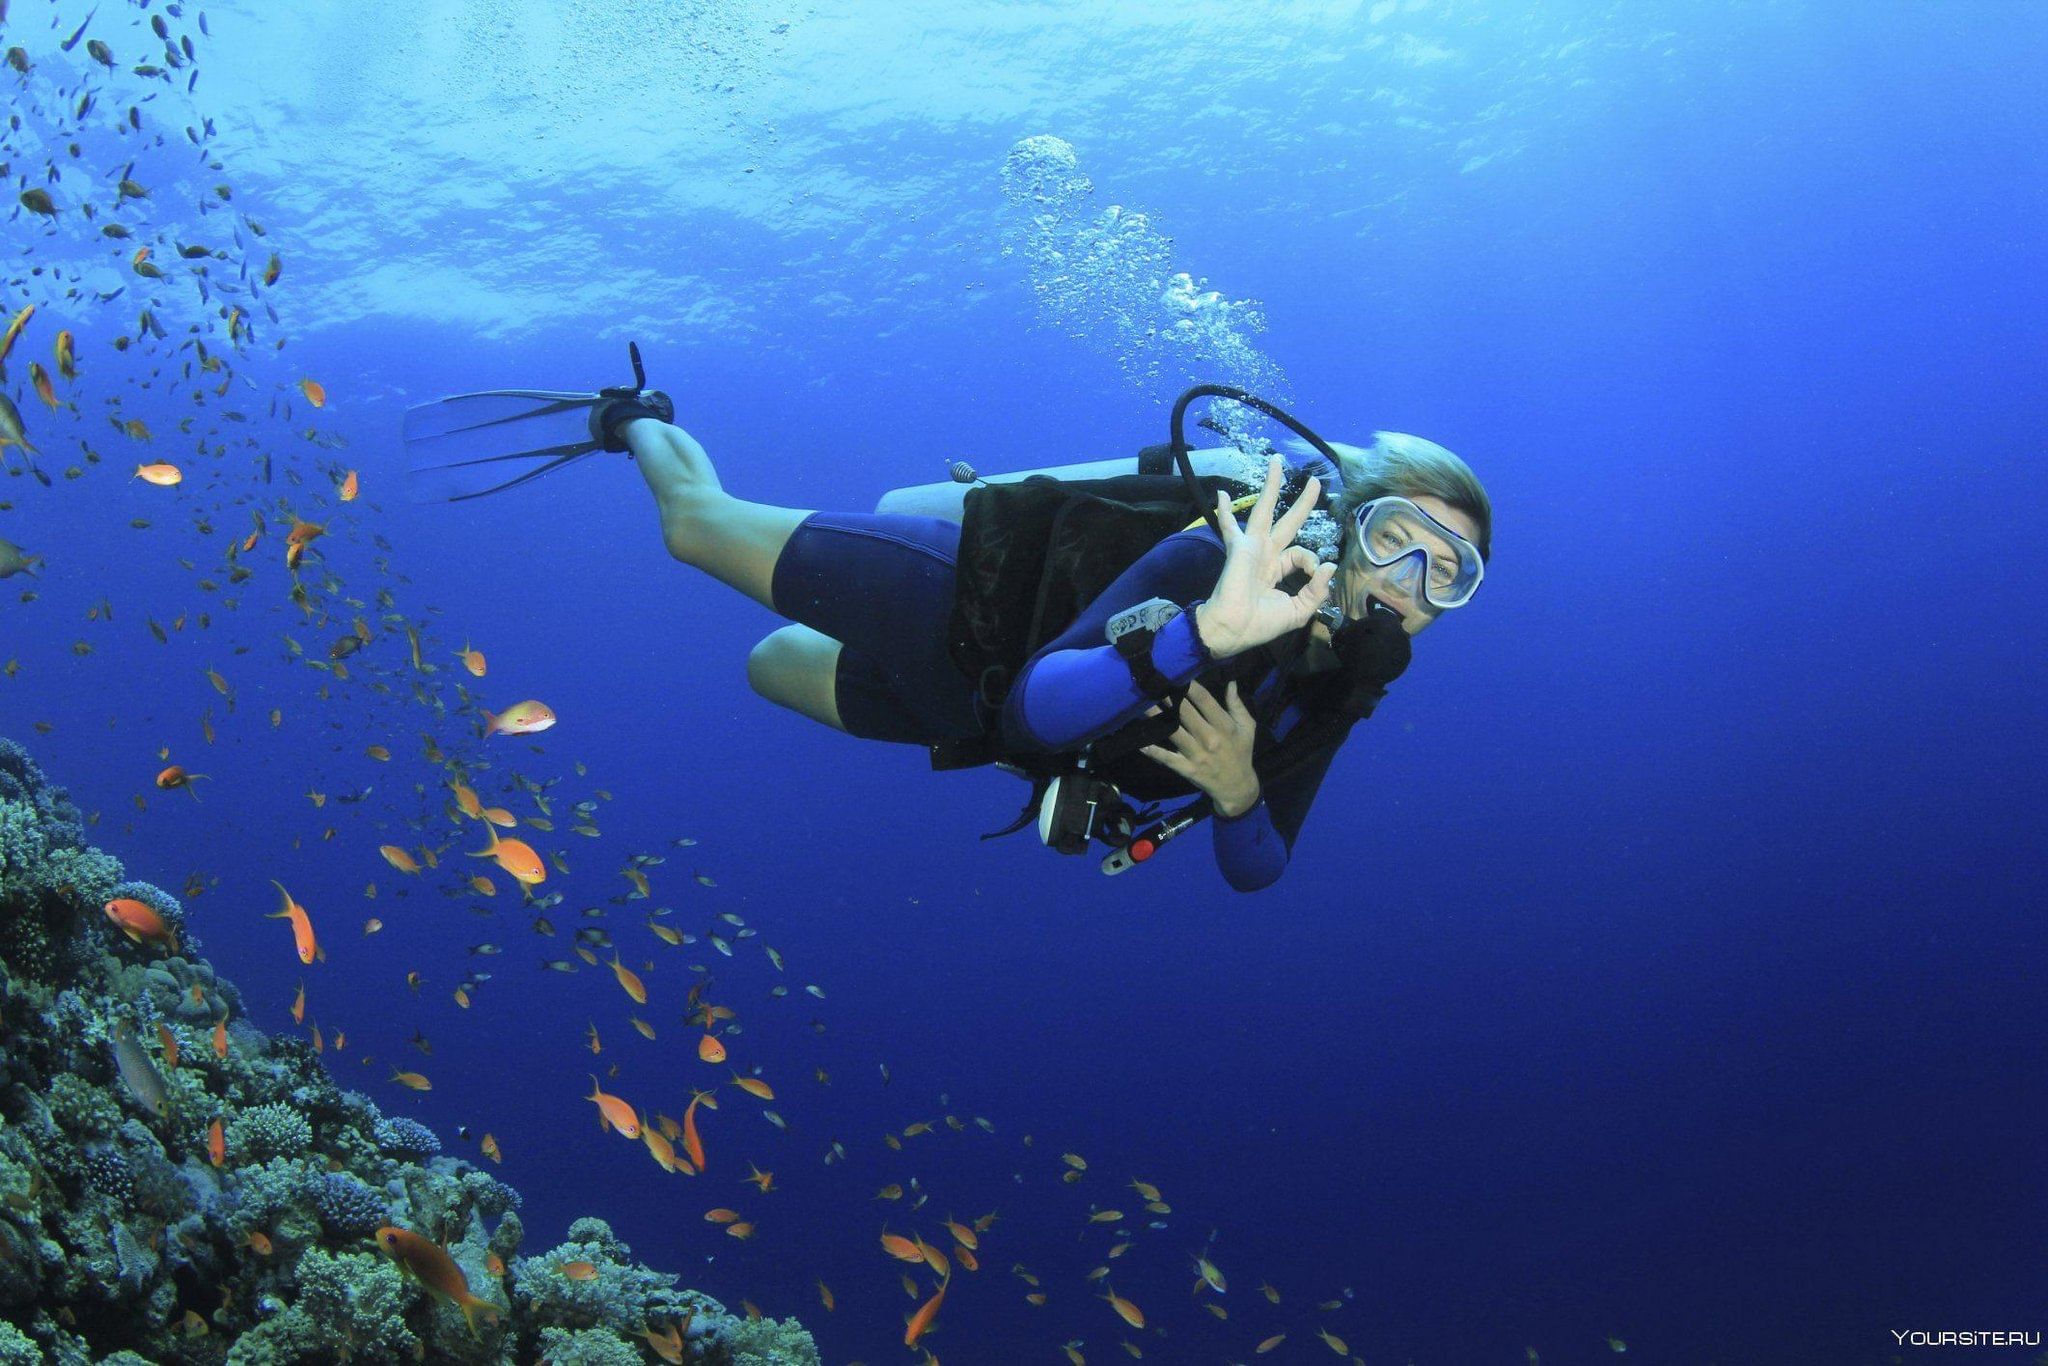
(471, 1306)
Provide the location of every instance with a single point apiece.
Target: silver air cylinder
(946, 499)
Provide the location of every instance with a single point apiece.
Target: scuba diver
(1071, 625)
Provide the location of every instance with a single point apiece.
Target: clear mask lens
(1420, 556)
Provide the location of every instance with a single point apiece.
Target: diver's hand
(1213, 749)
(1247, 609)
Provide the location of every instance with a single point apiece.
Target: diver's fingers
(1168, 758)
(1226, 521)
(1316, 591)
(1239, 713)
(1297, 559)
(1204, 705)
(1298, 512)
(1198, 722)
(1260, 521)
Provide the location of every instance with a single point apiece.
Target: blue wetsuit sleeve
(1249, 851)
(1252, 849)
(1078, 688)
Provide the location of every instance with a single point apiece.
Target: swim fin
(456, 446)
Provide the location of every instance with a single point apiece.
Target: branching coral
(407, 1138)
(268, 1131)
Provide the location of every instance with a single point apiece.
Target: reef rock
(122, 1241)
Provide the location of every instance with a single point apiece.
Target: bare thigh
(795, 668)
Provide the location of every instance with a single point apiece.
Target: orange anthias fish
(163, 475)
(933, 1258)
(629, 980)
(901, 1248)
(521, 718)
(398, 858)
(1125, 1310)
(175, 777)
(755, 1087)
(473, 660)
(314, 392)
(14, 331)
(170, 1043)
(664, 1152)
(39, 380)
(429, 1263)
(467, 801)
(921, 1321)
(612, 1112)
(220, 1038)
(298, 538)
(693, 1146)
(710, 1050)
(216, 1144)
(350, 487)
(517, 858)
(302, 926)
(67, 355)
(490, 1148)
(411, 1081)
(668, 1345)
(140, 923)
(299, 1005)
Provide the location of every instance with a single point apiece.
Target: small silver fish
(144, 1082)
(14, 560)
(12, 433)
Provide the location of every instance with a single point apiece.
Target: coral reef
(121, 1240)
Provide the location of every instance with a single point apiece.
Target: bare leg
(734, 541)
(795, 668)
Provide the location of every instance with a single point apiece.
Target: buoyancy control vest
(1034, 554)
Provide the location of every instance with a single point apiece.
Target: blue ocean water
(1659, 965)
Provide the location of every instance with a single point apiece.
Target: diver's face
(1358, 578)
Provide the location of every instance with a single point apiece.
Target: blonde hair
(1404, 466)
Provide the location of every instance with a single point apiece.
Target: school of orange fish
(194, 281)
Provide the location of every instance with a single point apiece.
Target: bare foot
(680, 474)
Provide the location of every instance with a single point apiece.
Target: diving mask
(1426, 559)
